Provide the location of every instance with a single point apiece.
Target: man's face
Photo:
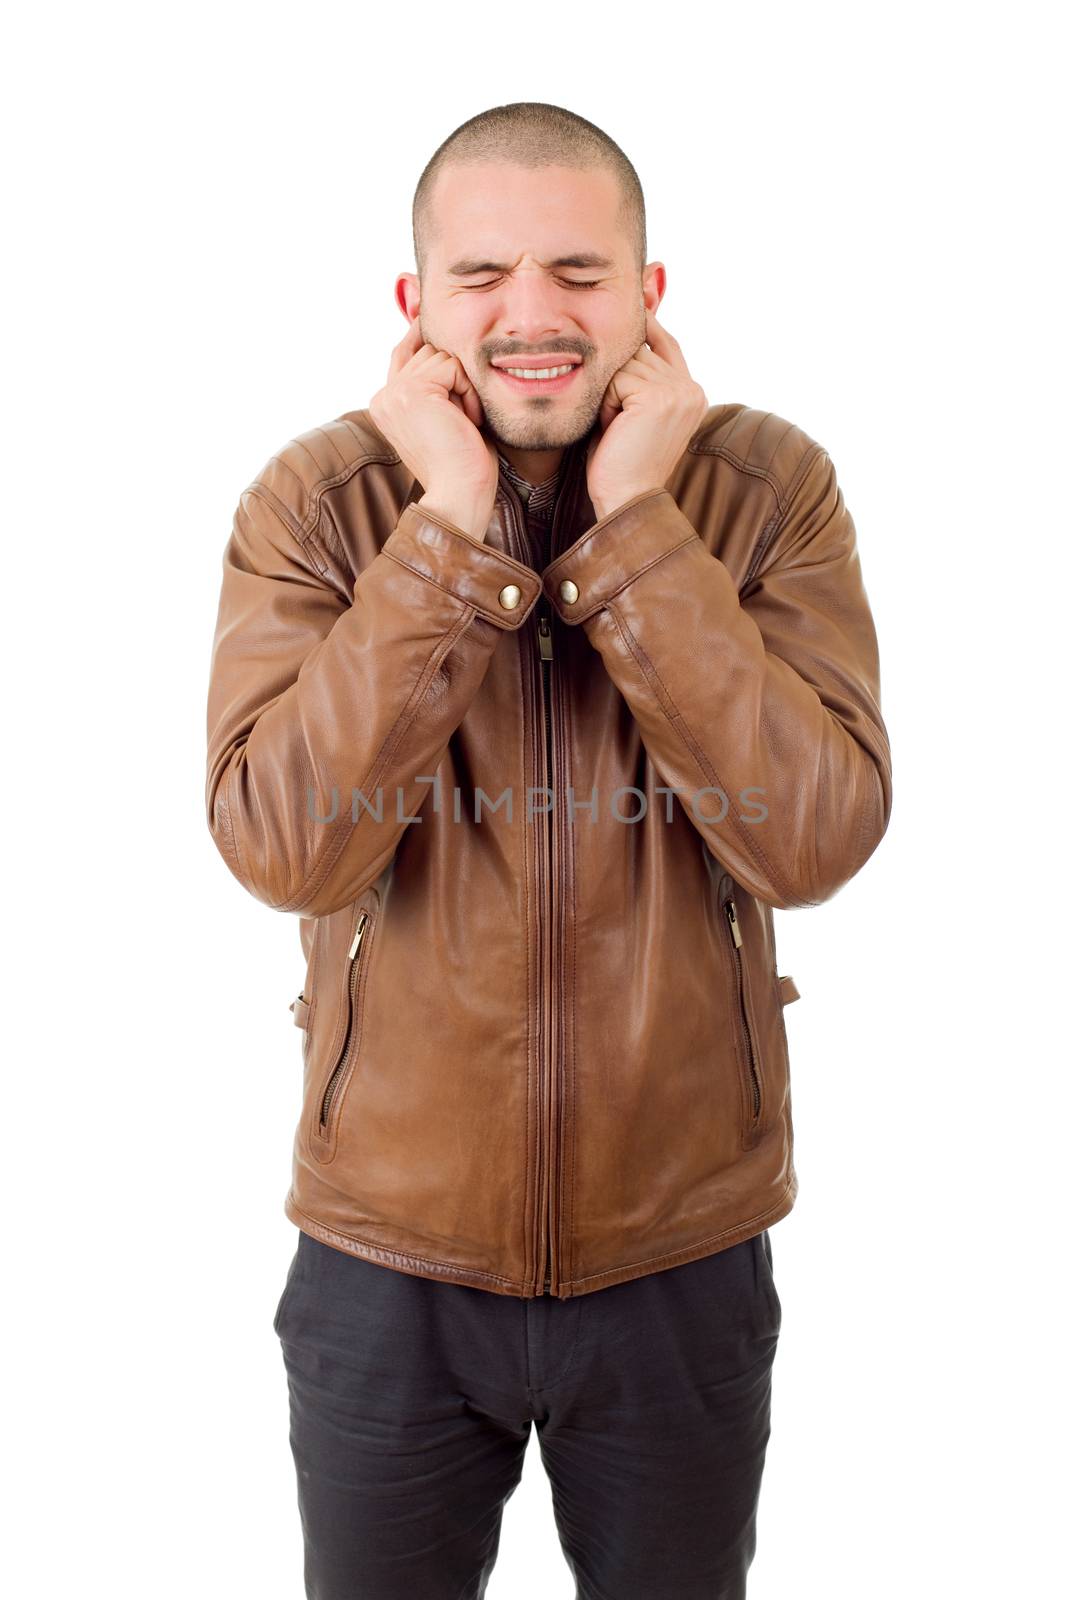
(495, 287)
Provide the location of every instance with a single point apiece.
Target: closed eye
(569, 283)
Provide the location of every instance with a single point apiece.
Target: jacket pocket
(329, 1100)
(303, 1007)
(787, 990)
(746, 1035)
(303, 1011)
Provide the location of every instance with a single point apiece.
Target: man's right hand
(430, 412)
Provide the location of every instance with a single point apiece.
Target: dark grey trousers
(411, 1403)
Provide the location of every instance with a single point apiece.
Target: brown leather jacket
(543, 1046)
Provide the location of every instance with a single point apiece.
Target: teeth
(540, 372)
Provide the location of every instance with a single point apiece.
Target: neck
(536, 466)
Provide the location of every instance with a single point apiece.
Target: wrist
(619, 497)
(471, 515)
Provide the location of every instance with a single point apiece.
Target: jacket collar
(574, 511)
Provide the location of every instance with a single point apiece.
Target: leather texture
(544, 1049)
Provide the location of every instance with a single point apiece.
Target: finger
(423, 357)
(457, 376)
(409, 345)
(664, 344)
(636, 372)
(461, 389)
(470, 401)
(647, 361)
(611, 404)
(427, 357)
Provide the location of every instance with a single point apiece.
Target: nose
(535, 312)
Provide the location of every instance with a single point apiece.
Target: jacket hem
(418, 1266)
(693, 1252)
(450, 1272)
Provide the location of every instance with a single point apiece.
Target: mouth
(538, 384)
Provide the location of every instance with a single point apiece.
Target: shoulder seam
(306, 531)
(743, 466)
(305, 539)
(778, 516)
(782, 492)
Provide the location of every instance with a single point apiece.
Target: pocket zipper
(730, 909)
(350, 1031)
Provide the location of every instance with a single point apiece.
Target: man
(532, 697)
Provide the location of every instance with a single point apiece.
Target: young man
(532, 697)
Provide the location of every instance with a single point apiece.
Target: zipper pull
(544, 637)
(735, 927)
(358, 940)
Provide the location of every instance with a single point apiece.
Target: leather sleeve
(321, 686)
(766, 700)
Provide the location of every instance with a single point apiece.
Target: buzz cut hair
(530, 133)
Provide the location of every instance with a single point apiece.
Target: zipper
(544, 658)
(330, 1092)
(544, 642)
(730, 909)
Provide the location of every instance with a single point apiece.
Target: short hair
(530, 133)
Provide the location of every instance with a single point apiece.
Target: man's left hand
(650, 411)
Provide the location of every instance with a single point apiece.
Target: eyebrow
(586, 258)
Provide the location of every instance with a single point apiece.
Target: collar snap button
(509, 596)
(568, 590)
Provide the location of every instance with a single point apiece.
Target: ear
(407, 295)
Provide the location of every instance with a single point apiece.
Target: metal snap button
(510, 595)
(568, 590)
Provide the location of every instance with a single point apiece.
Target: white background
(207, 208)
